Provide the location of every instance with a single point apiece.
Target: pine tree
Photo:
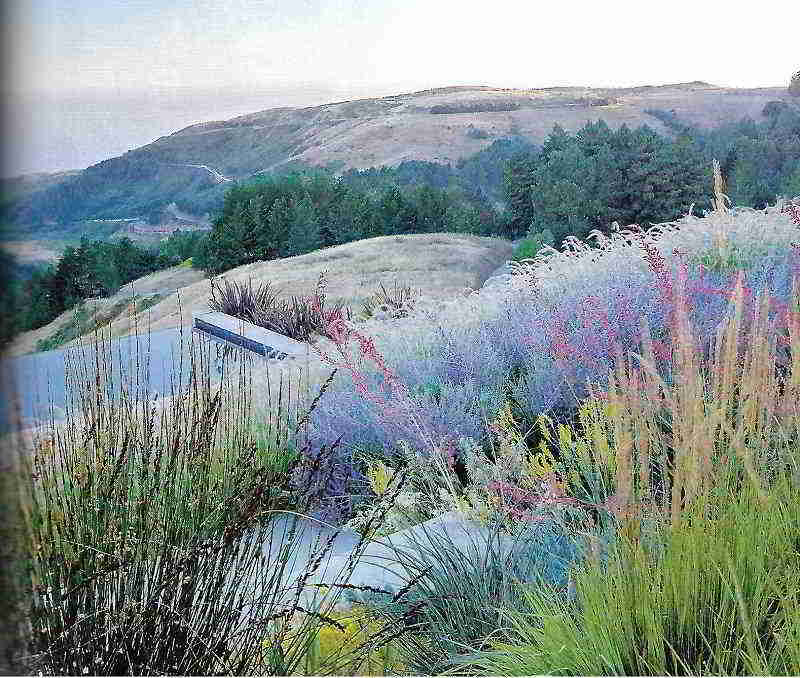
(748, 185)
(304, 231)
(558, 140)
(275, 229)
(392, 211)
(518, 186)
(562, 194)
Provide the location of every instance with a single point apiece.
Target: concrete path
(379, 564)
(32, 383)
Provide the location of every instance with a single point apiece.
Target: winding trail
(219, 178)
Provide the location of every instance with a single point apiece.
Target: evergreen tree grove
(586, 181)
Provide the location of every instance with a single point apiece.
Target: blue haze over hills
(52, 132)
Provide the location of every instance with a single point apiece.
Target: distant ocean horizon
(57, 132)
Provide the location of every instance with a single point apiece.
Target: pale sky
(87, 80)
(59, 45)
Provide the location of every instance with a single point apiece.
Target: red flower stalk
(341, 334)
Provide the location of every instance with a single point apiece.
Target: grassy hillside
(194, 166)
(440, 265)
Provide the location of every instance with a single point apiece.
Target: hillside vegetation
(511, 188)
(194, 166)
(441, 265)
(627, 415)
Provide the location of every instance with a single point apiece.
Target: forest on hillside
(572, 184)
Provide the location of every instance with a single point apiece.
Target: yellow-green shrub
(345, 651)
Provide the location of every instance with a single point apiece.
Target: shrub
(342, 646)
(87, 321)
(532, 245)
(74, 327)
(369, 420)
(297, 319)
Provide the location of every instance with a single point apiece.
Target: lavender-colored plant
(555, 340)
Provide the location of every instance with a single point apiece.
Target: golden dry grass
(171, 278)
(437, 264)
(440, 265)
(387, 131)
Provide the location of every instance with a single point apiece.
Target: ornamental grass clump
(147, 542)
(701, 575)
(392, 305)
(299, 318)
(716, 596)
(453, 594)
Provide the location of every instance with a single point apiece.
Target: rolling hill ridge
(193, 167)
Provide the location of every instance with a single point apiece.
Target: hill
(194, 166)
(439, 265)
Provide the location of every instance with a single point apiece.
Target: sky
(132, 55)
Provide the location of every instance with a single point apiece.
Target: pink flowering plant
(560, 349)
(675, 299)
(568, 353)
(394, 404)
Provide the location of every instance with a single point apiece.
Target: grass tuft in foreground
(150, 542)
(701, 577)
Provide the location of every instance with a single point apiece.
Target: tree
(749, 184)
(773, 108)
(304, 229)
(558, 140)
(155, 215)
(518, 180)
(11, 309)
(589, 180)
(563, 195)
(274, 229)
(392, 209)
